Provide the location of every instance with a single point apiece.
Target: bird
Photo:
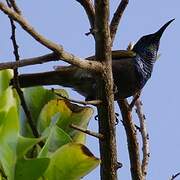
(130, 74)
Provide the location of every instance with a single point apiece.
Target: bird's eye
(151, 52)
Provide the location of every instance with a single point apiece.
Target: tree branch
(29, 61)
(106, 115)
(15, 7)
(89, 8)
(58, 49)
(175, 176)
(133, 146)
(92, 102)
(94, 134)
(54, 57)
(145, 137)
(117, 17)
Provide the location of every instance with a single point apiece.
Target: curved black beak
(159, 33)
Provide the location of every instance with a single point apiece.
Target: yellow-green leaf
(5, 77)
(56, 138)
(31, 169)
(71, 161)
(68, 113)
(8, 142)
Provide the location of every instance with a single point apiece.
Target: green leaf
(24, 145)
(36, 98)
(31, 169)
(56, 138)
(7, 101)
(8, 142)
(5, 77)
(13, 147)
(71, 161)
(68, 113)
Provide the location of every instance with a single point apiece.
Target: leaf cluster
(63, 155)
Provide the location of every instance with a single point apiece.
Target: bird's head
(148, 45)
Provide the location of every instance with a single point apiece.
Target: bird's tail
(64, 77)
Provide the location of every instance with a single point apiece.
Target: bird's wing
(118, 54)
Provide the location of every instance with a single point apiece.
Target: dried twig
(93, 102)
(13, 36)
(58, 49)
(145, 137)
(132, 141)
(29, 61)
(94, 134)
(117, 17)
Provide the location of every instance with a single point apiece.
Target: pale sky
(66, 23)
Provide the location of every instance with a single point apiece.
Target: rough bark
(106, 115)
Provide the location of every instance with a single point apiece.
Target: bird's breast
(126, 78)
(144, 68)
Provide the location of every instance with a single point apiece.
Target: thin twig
(29, 61)
(89, 8)
(145, 137)
(58, 49)
(27, 112)
(117, 17)
(119, 165)
(91, 31)
(175, 176)
(94, 134)
(13, 38)
(93, 102)
(15, 7)
(16, 80)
